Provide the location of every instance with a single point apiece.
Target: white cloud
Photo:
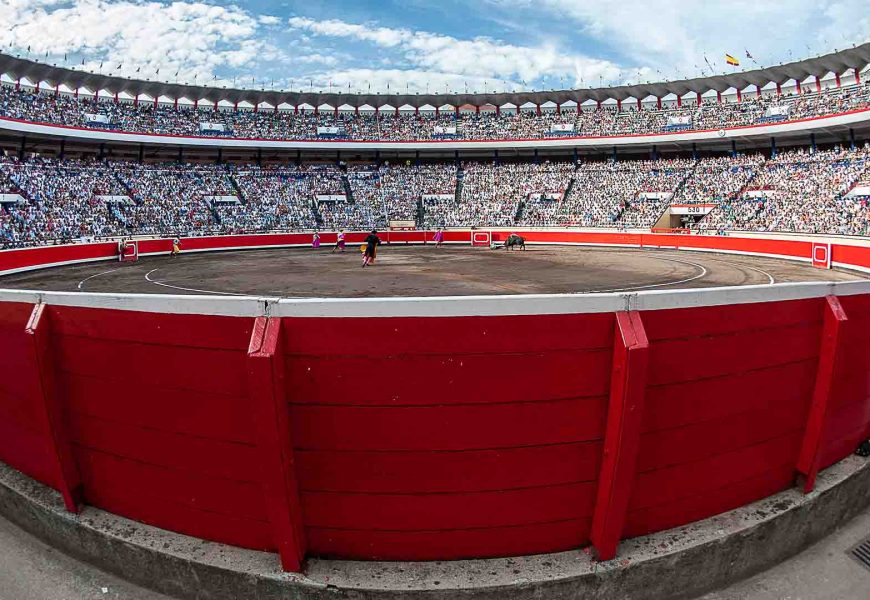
(193, 38)
(199, 38)
(673, 36)
(477, 59)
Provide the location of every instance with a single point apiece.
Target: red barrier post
(622, 435)
(67, 479)
(281, 491)
(835, 320)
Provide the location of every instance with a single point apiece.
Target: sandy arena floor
(422, 271)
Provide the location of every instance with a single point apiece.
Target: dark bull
(515, 241)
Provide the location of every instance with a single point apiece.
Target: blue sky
(418, 46)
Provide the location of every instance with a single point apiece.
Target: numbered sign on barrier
(821, 255)
(481, 238)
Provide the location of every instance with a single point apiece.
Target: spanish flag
(732, 61)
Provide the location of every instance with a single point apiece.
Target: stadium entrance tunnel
(435, 429)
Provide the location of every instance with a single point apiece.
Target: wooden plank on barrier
(834, 323)
(622, 435)
(67, 480)
(281, 490)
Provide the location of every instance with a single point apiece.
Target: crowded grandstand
(52, 194)
(825, 191)
(489, 122)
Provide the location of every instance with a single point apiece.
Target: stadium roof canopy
(837, 62)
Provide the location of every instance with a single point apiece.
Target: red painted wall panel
(696, 508)
(458, 543)
(851, 255)
(427, 380)
(158, 413)
(44, 255)
(202, 414)
(24, 436)
(703, 400)
(728, 398)
(400, 335)
(843, 253)
(200, 331)
(437, 472)
(204, 493)
(848, 422)
(492, 423)
(144, 506)
(705, 476)
(434, 512)
(447, 427)
(210, 457)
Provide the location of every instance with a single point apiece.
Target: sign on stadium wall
(329, 130)
(403, 225)
(214, 127)
(562, 128)
(443, 130)
(437, 198)
(654, 195)
(222, 199)
(331, 197)
(546, 196)
(680, 120)
(692, 209)
(777, 111)
(11, 198)
(92, 118)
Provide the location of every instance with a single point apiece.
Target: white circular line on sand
(655, 285)
(770, 278)
(186, 289)
(82, 282)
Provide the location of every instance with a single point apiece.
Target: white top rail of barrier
(446, 306)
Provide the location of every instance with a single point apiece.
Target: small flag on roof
(732, 61)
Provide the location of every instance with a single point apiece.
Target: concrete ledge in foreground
(678, 563)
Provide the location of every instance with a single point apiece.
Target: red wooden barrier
(266, 391)
(48, 404)
(437, 438)
(728, 394)
(23, 428)
(835, 321)
(433, 438)
(624, 416)
(160, 419)
(848, 415)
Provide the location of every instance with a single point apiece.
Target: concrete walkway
(821, 572)
(31, 570)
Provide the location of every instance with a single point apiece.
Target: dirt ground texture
(422, 271)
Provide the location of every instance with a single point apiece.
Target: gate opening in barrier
(481, 239)
(822, 255)
(128, 251)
